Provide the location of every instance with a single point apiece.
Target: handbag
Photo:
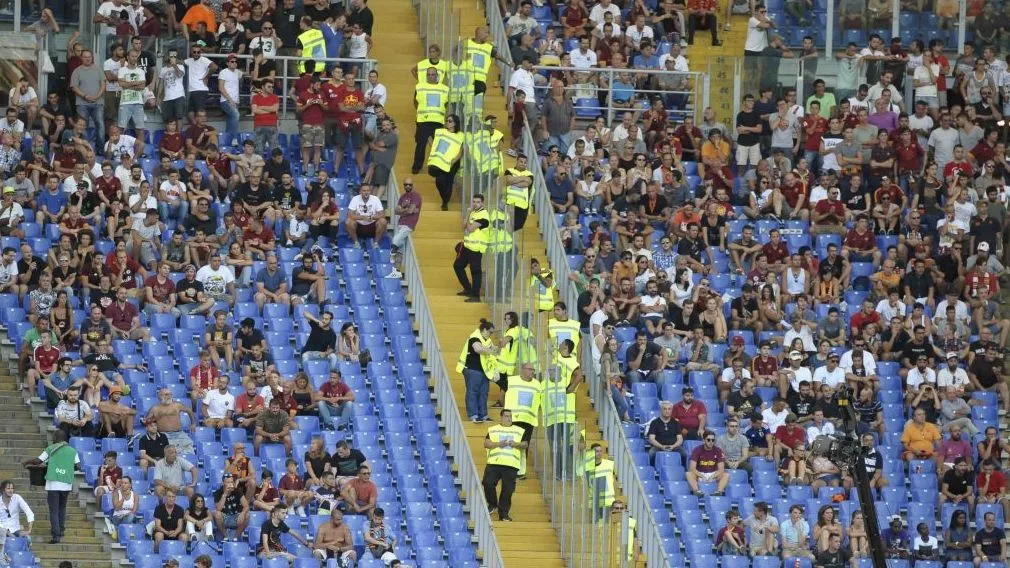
(46, 65)
(36, 472)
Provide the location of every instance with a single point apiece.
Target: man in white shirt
(522, 23)
(757, 33)
(218, 281)
(891, 307)
(775, 416)
(173, 100)
(830, 373)
(653, 308)
(111, 69)
(132, 82)
(861, 100)
(942, 141)
(375, 95)
(639, 32)
(885, 84)
(365, 217)
(522, 79)
(218, 405)
(680, 62)
(110, 14)
(200, 69)
(917, 376)
(9, 272)
(583, 57)
(120, 145)
(858, 350)
(953, 376)
(960, 308)
(589, 140)
(921, 123)
(794, 374)
(819, 427)
(229, 80)
(596, 14)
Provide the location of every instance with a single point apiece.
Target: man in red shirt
(335, 398)
(125, 318)
(259, 239)
(788, 437)
(690, 414)
(992, 486)
(764, 368)
(702, 16)
(860, 243)
(888, 187)
(248, 406)
(45, 357)
(829, 215)
(814, 126)
(776, 250)
(200, 136)
(909, 154)
(123, 272)
(159, 293)
(264, 108)
(707, 463)
(864, 316)
(790, 199)
(203, 377)
(350, 127)
(690, 139)
(312, 106)
(960, 164)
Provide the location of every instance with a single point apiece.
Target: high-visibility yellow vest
(497, 161)
(479, 56)
(460, 83)
(431, 100)
(567, 366)
(544, 294)
(517, 351)
(523, 398)
(478, 239)
(422, 70)
(500, 232)
(602, 471)
(445, 148)
(508, 457)
(313, 47)
(519, 196)
(559, 331)
(559, 404)
(481, 152)
(487, 360)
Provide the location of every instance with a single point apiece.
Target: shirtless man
(333, 540)
(167, 414)
(117, 418)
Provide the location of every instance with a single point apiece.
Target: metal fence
(452, 421)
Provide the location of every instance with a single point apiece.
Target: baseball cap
(982, 246)
(952, 355)
(833, 355)
(9, 189)
(115, 390)
(894, 518)
(232, 57)
(737, 340)
(795, 355)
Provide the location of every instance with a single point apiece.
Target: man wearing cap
(11, 215)
(790, 377)
(953, 377)
(896, 542)
(116, 418)
(190, 297)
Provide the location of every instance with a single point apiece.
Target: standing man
(522, 400)
(61, 460)
(505, 446)
(519, 190)
(479, 53)
(408, 211)
(476, 235)
(430, 100)
(88, 83)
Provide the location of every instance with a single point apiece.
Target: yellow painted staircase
(719, 61)
(530, 538)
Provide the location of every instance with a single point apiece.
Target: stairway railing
(452, 421)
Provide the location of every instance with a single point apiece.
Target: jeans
(266, 138)
(813, 160)
(476, 393)
(315, 355)
(177, 210)
(592, 204)
(230, 118)
(562, 141)
(57, 501)
(620, 402)
(94, 112)
(343, 412)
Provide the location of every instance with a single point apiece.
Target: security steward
(559, 406)
(434, 60)
(311, 41)
(519, 191)
(430, 100)
(544, 288)
(561, 327)
(476, 236)
(480, 53)
(504, 446)
(479, 366)
(516, 345)
(599, 473)
(522, 400)
(444, 158)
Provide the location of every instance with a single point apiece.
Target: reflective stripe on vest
(559, 405)
(523, 398)
(500, 234)
(603, 474)
(508, 457)
(544, 294)
(313, 47)
(519, 196)
(422, 70)
(487, 361)
(518, 350)
(460, 83)
(431, 100)
(445, 148)
(479, 56)
(478, 239)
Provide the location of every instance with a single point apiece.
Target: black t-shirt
(23, 268)
(154, 448)
(230, 42)
(919, 285)
(258, 366)
(103, 299)
(912, 350)
(274, 169)
(899, 343)
(986, 372)
(253, 196)
(833, 268)
(744, 309)
(189, 290)
(301, 287)
(681, 322)
(104, 361)
(747, 405)
(347, 466)
(691, 248)
(232, 504)
(320, 339)
(873, 462)
(273, 533)
(319, 14)
(287, 197)
(836, 559)
(208, 226)
(989, 541)
(585, 298)
(255, 337)
(748, 119)
(957, 484)
(985, 231)
(979, 347)
(665, 432)
(169, 520)
(858, 199)
(946, 264)
(650, 359)
(286, 25)
(801, 406)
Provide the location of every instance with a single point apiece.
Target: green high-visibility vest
(478, 239)
(519, 196)
(60, 465)
(445, 148)
(479, 56)
(442, 67)
(487, 360)
(504, 456)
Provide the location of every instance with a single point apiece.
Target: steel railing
(452, 421)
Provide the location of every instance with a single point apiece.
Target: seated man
(860, 244)
(73, 416)
(124, 318)
(957, 485)
(360, 492)
(116, 418)
(271, 284)
(273, 425)
(218, 406)
(169, 474)
(232, 508)
(168, 521)
(365, 217)
(663, 432)
(987, 374)
(707, 464)
(920, 438)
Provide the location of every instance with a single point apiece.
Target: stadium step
(23, 440)
(719, 61)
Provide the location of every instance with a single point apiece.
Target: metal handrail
(694, 96)
(452, 421)
(619, 449)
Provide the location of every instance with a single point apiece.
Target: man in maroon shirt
(159, 293)
(790, 199)
(860, 243)
(777, 251)
(259, 239)
(123, 271)
(788, 437)
(765, 367)
(864, 316)
(44, 358)
(350, 127)
(909, 154)
(707, 464)
(691, 415)
(312, 106)
(248, 406)
(335, 398)
(829, 215)
(200, 136)
(125, 318)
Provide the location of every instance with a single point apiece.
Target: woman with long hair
(826, 527)
(199, 524)
(959, 538)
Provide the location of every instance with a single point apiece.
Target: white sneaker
(301, 511)
(683, 43)
(394, 274)
(512, 152)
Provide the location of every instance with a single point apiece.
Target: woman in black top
(198, 521)
(316, 460)
(303, 396)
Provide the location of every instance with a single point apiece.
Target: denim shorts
(135, 112)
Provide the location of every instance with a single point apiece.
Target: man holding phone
(173, 105)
